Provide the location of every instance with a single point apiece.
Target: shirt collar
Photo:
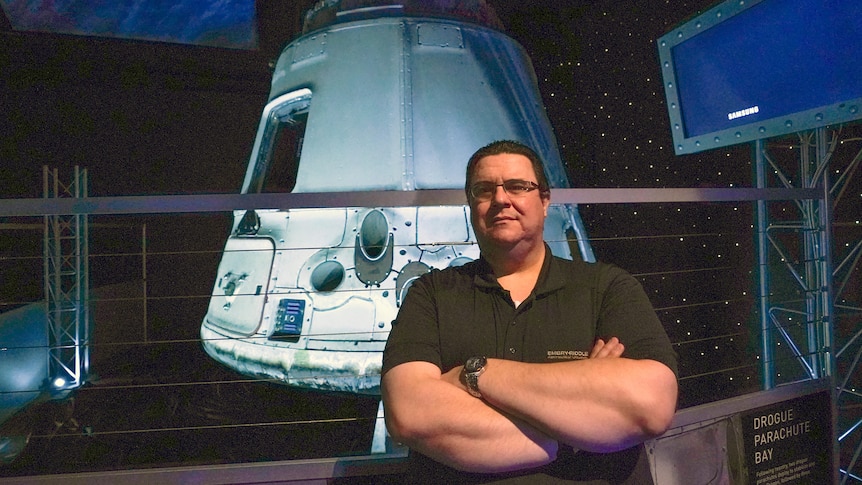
(550, 277)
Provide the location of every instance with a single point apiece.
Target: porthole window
(373, 235)
(327, 276)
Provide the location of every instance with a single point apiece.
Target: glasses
(484, 191)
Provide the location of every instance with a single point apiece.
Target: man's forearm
(595, 404)
(499, 450)
(441, 421)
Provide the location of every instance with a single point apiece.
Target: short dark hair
(500, 147)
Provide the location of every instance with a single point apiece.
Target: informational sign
(789, 442)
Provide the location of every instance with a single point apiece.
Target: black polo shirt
(450, 315)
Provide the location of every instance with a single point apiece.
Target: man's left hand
(611, 348)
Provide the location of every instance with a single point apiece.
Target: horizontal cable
(210, 427)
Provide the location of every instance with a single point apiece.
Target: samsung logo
(743, 112)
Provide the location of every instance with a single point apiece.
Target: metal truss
(66, 270)
(809, 309)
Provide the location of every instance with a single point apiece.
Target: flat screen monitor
(755, 69)
(230, 24)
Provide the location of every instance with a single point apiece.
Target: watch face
(474, 364)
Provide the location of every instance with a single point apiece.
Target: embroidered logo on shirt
(567, 354)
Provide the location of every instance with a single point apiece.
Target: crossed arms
(602, 404)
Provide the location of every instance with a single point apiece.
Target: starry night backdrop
(598, 71)
(148, 118)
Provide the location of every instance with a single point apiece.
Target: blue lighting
(750, 70)
(229, 23)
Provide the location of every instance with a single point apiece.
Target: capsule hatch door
(238, 295)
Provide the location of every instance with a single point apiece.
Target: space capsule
(376, 97)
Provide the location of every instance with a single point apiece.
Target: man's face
(506, 220)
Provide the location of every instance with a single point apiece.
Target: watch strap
(473, 368)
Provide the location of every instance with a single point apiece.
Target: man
(523, 367)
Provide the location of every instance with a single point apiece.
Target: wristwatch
(473, 368)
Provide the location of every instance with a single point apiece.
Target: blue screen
(755, 67)
(226, 23)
